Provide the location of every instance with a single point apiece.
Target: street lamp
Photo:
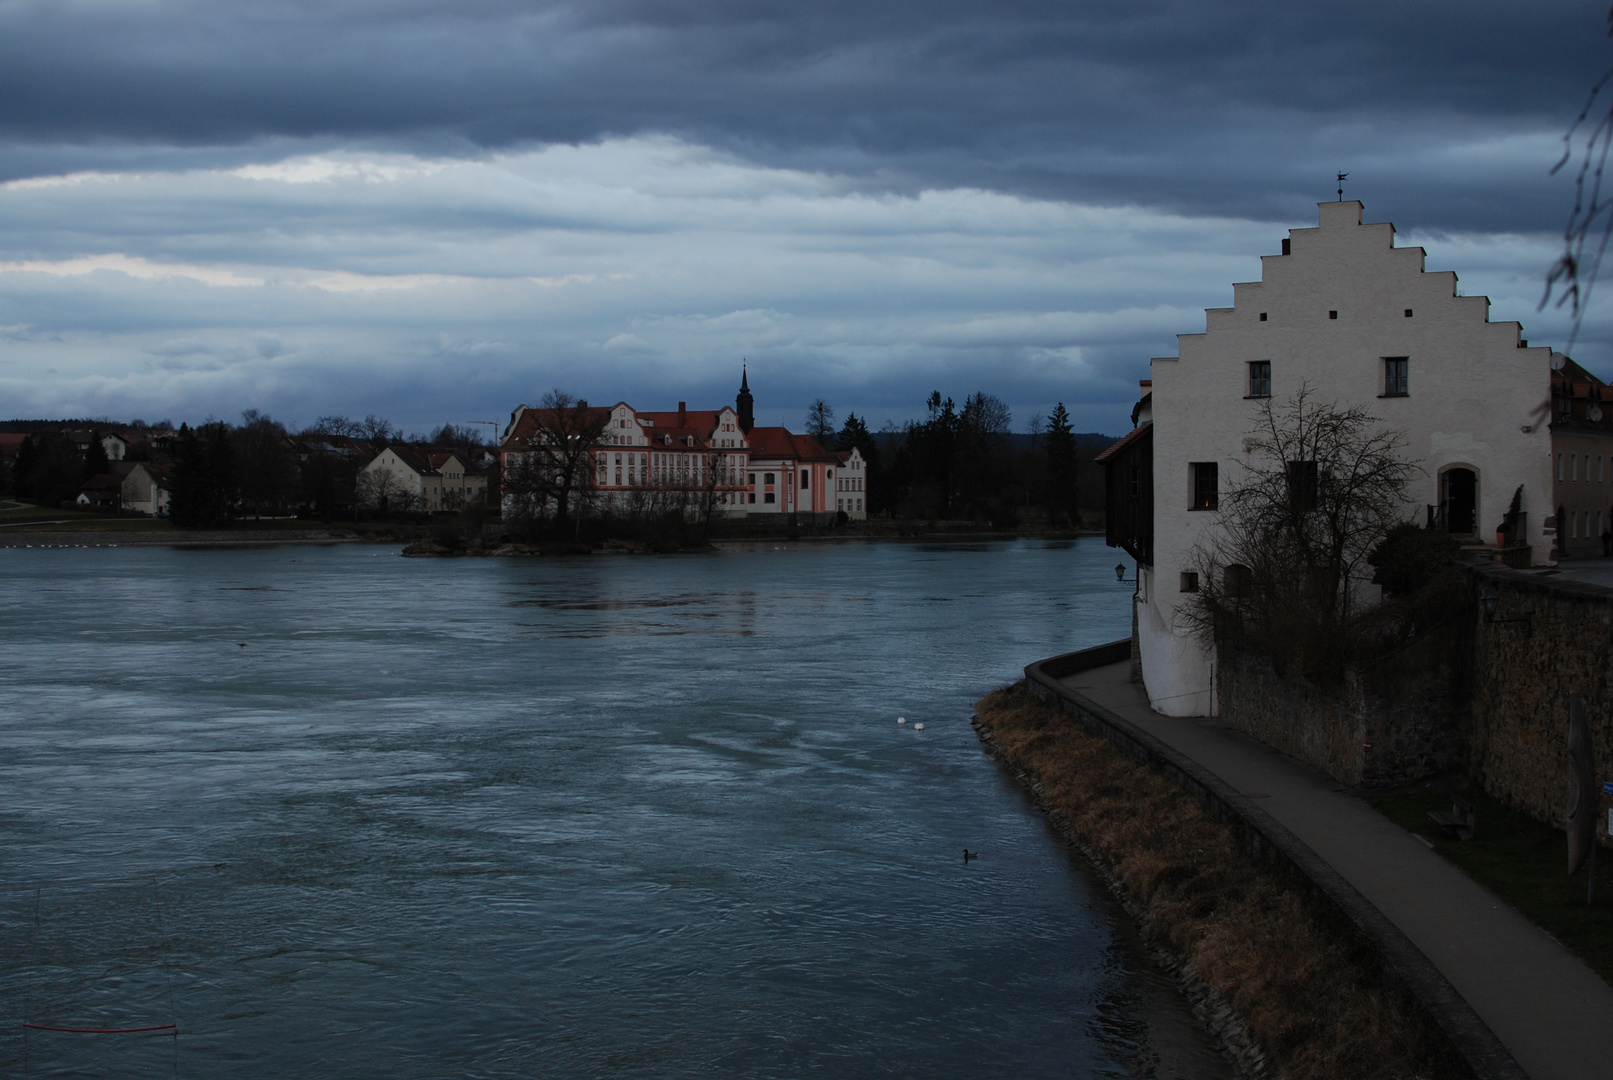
(1120, 576)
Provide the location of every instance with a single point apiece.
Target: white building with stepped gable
(1358, 322)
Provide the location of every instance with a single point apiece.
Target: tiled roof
(777, 442)
(528, 423)
(1121, 443)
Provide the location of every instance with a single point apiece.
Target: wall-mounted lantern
(1489, 602)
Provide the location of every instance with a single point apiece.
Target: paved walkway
(1550, 1010)
(1590, 571)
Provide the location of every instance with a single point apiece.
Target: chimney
(582, 403)
(683, 418)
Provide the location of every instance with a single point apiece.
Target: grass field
(1524, 863)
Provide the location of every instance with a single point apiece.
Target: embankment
(1268, 966)
(179, 538)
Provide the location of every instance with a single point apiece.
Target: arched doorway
(1459, 500)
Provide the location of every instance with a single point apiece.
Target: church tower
(743, 403)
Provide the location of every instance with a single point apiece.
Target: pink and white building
(719, 453)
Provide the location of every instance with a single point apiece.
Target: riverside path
(1551, 1011)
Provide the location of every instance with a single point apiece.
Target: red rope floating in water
(102, 1031)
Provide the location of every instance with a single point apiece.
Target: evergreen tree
(22, 468)
(187, 502)
(95, 459)
(224, 493)
(856, 436)
(204, 479)
(1063, 470)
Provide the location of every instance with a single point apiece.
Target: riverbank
(109, 538)
(443, 539)
(1264, 964)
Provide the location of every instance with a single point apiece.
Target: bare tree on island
(554, 468)
(820, 421)
(1284, 570)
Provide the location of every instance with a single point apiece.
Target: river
(333, 812)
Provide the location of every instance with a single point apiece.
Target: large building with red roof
(696, 459)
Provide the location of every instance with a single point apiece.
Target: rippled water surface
(337, 813)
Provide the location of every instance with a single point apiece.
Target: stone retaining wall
(1400, 722)
(1523, 672)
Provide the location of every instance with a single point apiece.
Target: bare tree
(378, 429)
(385, 491)
(820, 421)
(554, 468)
(336, 425)
(717, 474)
(1285, 567)
(1575, 270)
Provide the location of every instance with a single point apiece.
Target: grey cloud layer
(436, 289)
(436, 210)
(1229, 108)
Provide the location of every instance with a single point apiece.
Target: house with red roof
(698, 460)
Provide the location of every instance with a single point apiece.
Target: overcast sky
(438, 210)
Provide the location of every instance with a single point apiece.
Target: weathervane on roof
(1342, 177)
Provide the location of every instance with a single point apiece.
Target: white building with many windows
(1357, 321)
(695, 458)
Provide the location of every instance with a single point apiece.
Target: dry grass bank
(1307, 996)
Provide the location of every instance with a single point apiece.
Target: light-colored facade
(146, 490)
(687, 457)
(851, 485)
(1581, 459)
(1358, 322)
(405, 478)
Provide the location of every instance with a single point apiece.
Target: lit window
(1206, 485)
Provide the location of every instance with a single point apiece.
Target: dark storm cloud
(1242, 109)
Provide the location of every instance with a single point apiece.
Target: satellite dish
(1557, 361)
(1594, 413)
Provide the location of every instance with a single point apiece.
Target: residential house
(419, 479)
(851, 485)
(1582, 459)
(1356, 321)
(105, 491)
(146, 489)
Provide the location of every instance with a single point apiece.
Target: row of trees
(967, 464)
(219, 471)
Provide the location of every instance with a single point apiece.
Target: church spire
(743, 402)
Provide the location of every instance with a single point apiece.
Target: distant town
(562, 465)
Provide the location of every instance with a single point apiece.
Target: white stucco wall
(1476, 400)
